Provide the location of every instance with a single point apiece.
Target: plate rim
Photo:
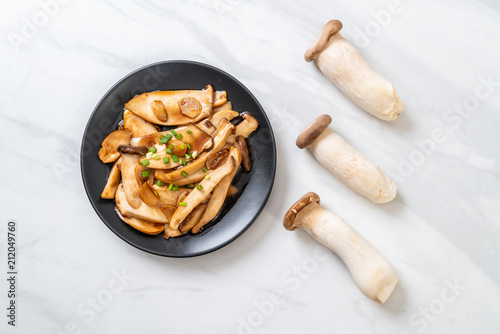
(248, 225)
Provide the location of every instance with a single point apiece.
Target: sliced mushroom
(168, 210)
(139, 150)
(219, 116)
(113, 181)
(220, 136)
(226, 106)
(245, 128)
(137, 126)
(171, 233)
(241, 145)
(232, 190)
(143, 174)
(142, 105)
(216, 159)
(198, 196)
(193, 218)
(130, 183)
(220, 98)
(145, 212)
(159, 110)
(206, 126)
(148, 195)
(109, 150)
(169, 197)
(142, 225)
(191, 135)
(219, 194)
(189, 106)
(190, 179)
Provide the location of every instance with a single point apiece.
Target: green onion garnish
(156, 156)
(199, 187)
(182, 147)
(173, 132)
(166, 160)
(183, 173)
(165, 139)
(145, 162)
(156, 194)
(170, 186)
(178, 136)
(145, 173)
(190, 186)
(183, 161)
(168, 151)
(182, 203)
(188, 156)
(171, 146)
(175, 188)
(189, 132)
(175, 158)
(204, 170)
(152, 149)
(188, 146)
(158, 183)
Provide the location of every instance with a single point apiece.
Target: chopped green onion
(183, 161)
(145, 173)
(207, 177)
(195, 154)
(182, 203)
(175, 158)
(170, 186)
(188, 146)
(178, 136)
(152, 149)
(168, 151)
(161, 137)
(199, 187)
(188, 156)
(204, 170)
(190, 186)
(189, 132)
(183, 173)
(165, 139)
(166, 160)
(149, 155)
(182, 147)
(175, 188)
(171, 146)
(156, 194)
(145, 162)
(156, 156)
(158, 183)
(173, 132)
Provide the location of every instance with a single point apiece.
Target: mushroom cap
(330, 29)
(313, 130)
(289, 220)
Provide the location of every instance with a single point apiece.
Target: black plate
(239, 211)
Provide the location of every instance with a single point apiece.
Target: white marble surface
(443, 229)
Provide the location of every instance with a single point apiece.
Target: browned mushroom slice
(220, 136)
(159, 110)
(168, 210)
(130, 183)
(241, 145)
(232, 190)
(143, 174)
(197, 196)
(193, 218)
(113, 181)
(171, 233)
(219, 194)
(109, 150)
(193, 140)
(148, 195)
(206, 126)
(142, 225)
(145, 212)
(137, 126)
(245, 128)
(226, 106)
(219, 116)
(216, 159)
(189, 106)
(169, 197)
(142, 105)
(220, 98)
(139, 150)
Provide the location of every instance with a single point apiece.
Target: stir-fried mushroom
(148, 195)
(241, 145)
(145, 212)
(219, 116)
(130, 183)
(226, 106)
(245, 128)
(137, 126)
(193, 218)
(206, 126)
(139, 150)
(198, 196)
(171, 233)
(220, 98)
(216, 159)
(142, 225)
(181, 107)
(109, 151)
(113, 181)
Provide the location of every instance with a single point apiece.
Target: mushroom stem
(372, 273)
(348, 165)
(348, 70)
